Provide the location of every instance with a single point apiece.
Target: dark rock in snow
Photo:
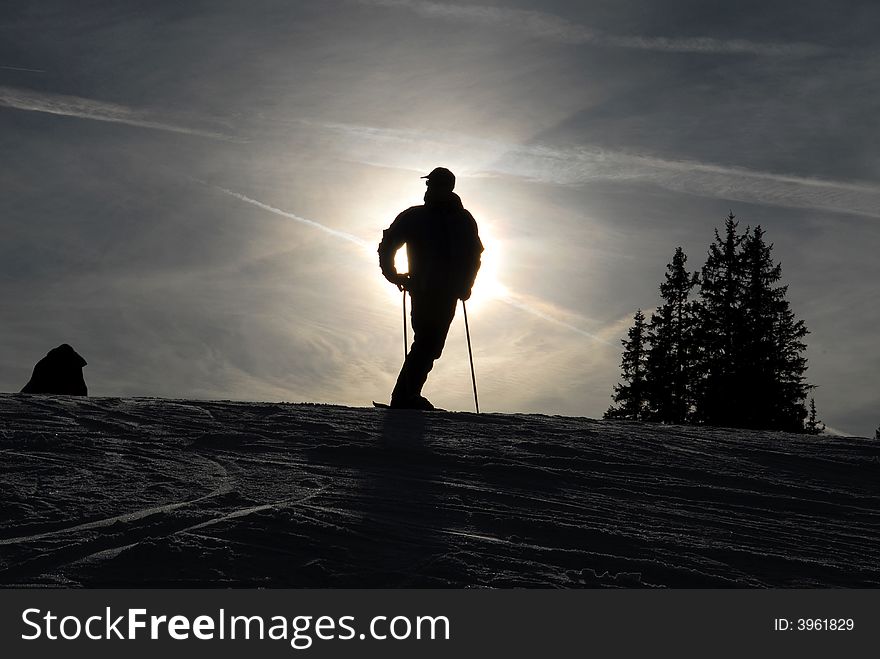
(59, 372)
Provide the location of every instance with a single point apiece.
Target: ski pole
(467, 332)
(404, 325)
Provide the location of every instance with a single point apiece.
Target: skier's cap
(441, 176)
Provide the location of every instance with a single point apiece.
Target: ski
(385, 406)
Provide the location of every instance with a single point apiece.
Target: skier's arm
(393, 238)
(472, 260)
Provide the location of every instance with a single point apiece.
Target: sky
(194, 191)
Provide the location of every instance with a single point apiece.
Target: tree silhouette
(671, 353)
(771, 378)
(629, 395)
(720, 328)
(733, 357)
(813, 426)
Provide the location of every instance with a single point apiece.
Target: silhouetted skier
(443, 249)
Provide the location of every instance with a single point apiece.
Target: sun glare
(486, 288)
(401, 262)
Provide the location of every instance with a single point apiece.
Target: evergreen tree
(629, 395)
(720, 328)
(735, 357)
(813, 426)
(877, 433)
(671, 352)
(770, 374)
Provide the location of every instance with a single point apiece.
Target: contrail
(509, 298)
(86, 108)
(517, 302)
(360, 242)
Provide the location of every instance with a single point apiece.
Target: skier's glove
(399, 280)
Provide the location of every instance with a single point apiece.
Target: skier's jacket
(443, 246)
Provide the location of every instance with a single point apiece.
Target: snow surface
(149, 492)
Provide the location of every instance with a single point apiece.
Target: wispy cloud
(540, 25)
(86, 108)
(538, 308)
(8, 67)
(583, 164)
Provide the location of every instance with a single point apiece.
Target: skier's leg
(432, 315)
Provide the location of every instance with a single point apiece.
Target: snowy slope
(145, 492)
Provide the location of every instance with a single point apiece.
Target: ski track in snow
(148, 493)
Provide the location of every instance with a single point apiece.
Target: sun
(487, 287)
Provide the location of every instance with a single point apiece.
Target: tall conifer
(720, 329)
(672, 350)
(629, 395)
(771, 373)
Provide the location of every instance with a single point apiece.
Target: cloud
(7, 67)
(533, 306)
(585, 164)
(540, 25)
(86, 108)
